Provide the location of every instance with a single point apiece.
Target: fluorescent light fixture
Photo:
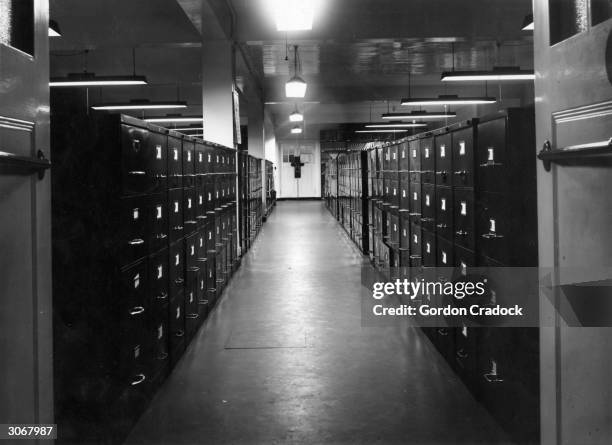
(449, 100)
(419, 115)
(296, 116)
(381, 131)
(54, 29)
(528, 23)
(188, 129)
(91, 80)
(177, 119)
(140, 105)
(294, 15)
(296, 130)
(398, 125)
(296, 87)
(497, 74)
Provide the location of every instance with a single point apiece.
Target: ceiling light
(91, 80)
(528, 23)
(419, 115)
(296, 130)
(398, 125)
(140, 105)
(296, 116)
(177, 118)
(497, 74)
(449, 100)
(296, 87)
(293, 15)
(189, 129)
(381, 131)
(54, 29)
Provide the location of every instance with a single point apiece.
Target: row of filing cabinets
(460, 197)
(145, 239)
(251, 210)
(330, 186)
(270, 188)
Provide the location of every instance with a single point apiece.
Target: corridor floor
(283, 359)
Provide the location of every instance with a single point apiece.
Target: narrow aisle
(284, 359)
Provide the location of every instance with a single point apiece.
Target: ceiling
(361, 55)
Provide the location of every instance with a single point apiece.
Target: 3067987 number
(27, 431)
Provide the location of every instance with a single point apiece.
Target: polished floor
(284, 358)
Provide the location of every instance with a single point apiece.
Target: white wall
(309, 185)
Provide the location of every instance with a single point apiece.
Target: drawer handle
(179, 281)
(162, 356)
(443, 173)
(159, 176)
(414, 214)
(177, 228)
(161, 236)
(491, 164)
(200, 217)
(441, 226)
(427, 219)
(180, 334)
(191, 221)
(203, 302)
(139, 379)
(462, 354)
(415, 257)
(193, 316)
(137, 173)
(162, 296)
(461, 173)
(443, 332)
(492, 378)
(136, 242)
(461, 233)
(193, 269)
(137, 310)
(491, 236)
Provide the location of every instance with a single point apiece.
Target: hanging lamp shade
(296, 87)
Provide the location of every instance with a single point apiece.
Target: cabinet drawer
(404, 191)
(394, 231)
(191, 250)
(429, 248)
(415, 160)
(415, 202)
(416, 243)
(404, 157)
(428, 206)
(158, 277)
(444, 212)
(159, 339)
(395, 194)
(175, 218)
(177, 327)
(404, 233)
(428, 161)
(189, 158)
(175, 162)
(464, 223)
(464, 260)
(136, 171)
(393, 158)
(494, 227)
(134, 291)
(445, 252)
(177, 268)
(491, 157)
(157, 214)
(463, 157)
(133, 236)
(444, 156)
(189, 210)
(200, 197)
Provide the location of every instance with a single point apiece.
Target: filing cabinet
(428, 160)
(137, 293)
(444, 159)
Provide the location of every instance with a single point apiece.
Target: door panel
(25, 262)
(573, 94)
